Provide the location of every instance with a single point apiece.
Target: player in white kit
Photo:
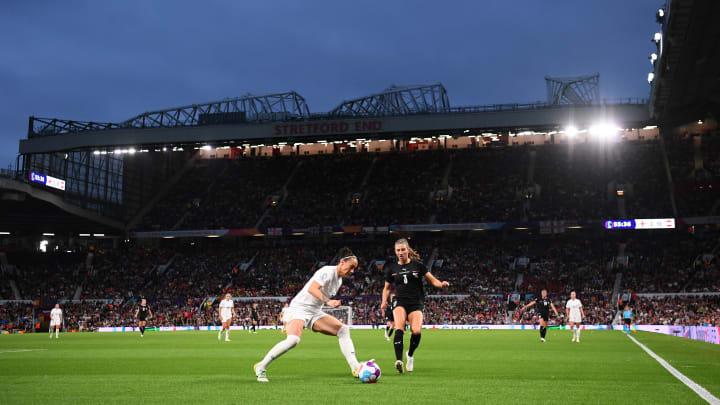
(56, 321)
(575, 315)
(227, 313)
(305, 311)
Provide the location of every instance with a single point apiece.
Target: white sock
(578, 333)
(279, 349)
(227, 333)
(56, 332)
(346, 347)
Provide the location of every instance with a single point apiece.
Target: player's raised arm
(137, 311)
(554, 310)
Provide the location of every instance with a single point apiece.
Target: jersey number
(405, 278)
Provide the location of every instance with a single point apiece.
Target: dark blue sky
(91, 60)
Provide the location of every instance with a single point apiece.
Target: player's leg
(543, 329)
(329, 325)
(577, 336)
(50, 329)
(400, 317)
(294, 332)
(391, 326)
(416, 320)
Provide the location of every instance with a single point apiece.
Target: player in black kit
(142, 314)
(544, 304)
(389, 316)
(407, 275)
(254, 318)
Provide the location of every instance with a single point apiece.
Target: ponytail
(412, 254)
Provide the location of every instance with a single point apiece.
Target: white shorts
(575, 319)
(308, 316)
(55, 323)
(226, 319)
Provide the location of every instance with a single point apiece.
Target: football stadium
(254, 250)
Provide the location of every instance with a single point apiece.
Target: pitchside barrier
(708, 334)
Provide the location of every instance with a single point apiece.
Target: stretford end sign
(327, 127)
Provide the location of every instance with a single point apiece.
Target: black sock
(142, 330)
(398, 344)
(391, 331)
(414, 342)
(543, 332)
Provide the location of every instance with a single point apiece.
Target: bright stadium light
(657, 37)
(97, 152)
(99, 235)
(660, 15)
(604, 131)
(164, 149)
(84, 234)
(651, 77)
(4, 233)
(132, 151)
(206, 147)
(571, 131)
(653, 58)
(48, 234)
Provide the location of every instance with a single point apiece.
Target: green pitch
(450, 366)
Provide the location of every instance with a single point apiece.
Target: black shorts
(256, 320)
(628, 321)
(545, 317)
(389, 317)
(141, 319)
(410, 306)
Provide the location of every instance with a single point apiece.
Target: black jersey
(543, 306)
(143, 312)
(408, 280)
(254, 314)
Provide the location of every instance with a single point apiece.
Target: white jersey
(574, 307)
(329, 282)
(226, 307)
(56, 315)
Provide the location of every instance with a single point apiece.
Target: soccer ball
(369, 372)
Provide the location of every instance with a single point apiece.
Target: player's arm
(528, 306)
(314, 290)
(233, 312)
(567, 312)
(137, 311)
(385, 293)
(150, 313)
(582, 313)
(435, 282)
(554, 310)
(220, 310)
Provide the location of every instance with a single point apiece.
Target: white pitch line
(22, 350)
(702, 392)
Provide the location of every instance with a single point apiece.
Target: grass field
(450, 366)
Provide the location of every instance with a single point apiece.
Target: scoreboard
(647, 223)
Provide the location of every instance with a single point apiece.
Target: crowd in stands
(679, 310)
(567, 181)
(581, 182)
(321, 192)
(52, 276)
(485, 186)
